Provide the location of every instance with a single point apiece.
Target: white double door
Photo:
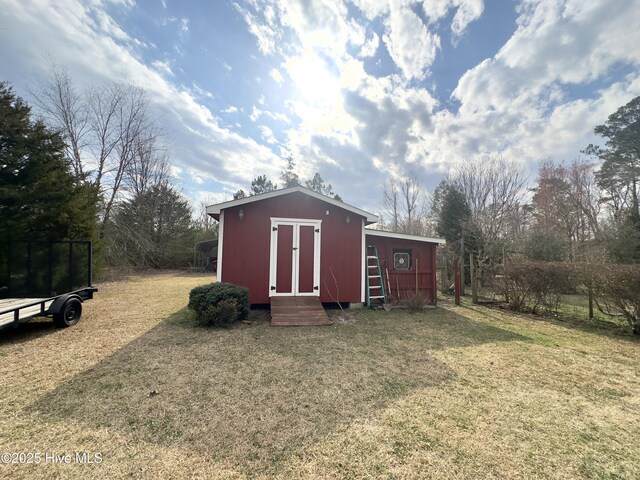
(294, 266)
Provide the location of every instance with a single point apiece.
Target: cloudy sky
(358, 90)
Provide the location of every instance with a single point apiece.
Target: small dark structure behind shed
(205, 256)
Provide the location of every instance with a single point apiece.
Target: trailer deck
(23, 308)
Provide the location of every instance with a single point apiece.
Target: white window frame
(296, 223)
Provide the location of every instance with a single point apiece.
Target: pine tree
(261, 184)
(289, 177)
(40, 199)
(153, 229)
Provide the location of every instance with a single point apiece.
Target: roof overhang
(214, 210)
(404, 236)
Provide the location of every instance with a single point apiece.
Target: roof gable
(214, 210)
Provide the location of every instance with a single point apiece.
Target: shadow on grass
(27, 331)
(253, 395)
(618, 331)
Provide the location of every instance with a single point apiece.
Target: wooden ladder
(375, 289)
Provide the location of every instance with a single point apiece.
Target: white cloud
(197, 179)
(68, 28)
(410, 44)
(255, 113)
(163, 66)
(174, 171)
(519, 103)
(554, 45)
(352, 126)
(264, 33)
(276, 75)
(372, 8)
(370, 47)
(466, 12)
(184, 24)
(267, 134)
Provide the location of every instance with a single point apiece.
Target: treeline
(586, 210)
(289, 178)
(91, 164)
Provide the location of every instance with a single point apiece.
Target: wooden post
(504, 274)
(434, 284)
(462, 277)
(389, 291)
(474, 280)
(590, 302)
(456, 283)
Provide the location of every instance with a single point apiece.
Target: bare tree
(204, 220)
(566, 203)
(587, 197)
(391, 204)
(414, 203)
(405, 204)
(67, 110)
(495, 190)
(108, 129)
(149, 167)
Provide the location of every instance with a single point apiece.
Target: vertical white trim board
(363, 269)
(220, 241)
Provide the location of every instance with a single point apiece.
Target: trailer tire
(69, 314)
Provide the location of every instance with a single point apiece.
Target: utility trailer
(45, 279)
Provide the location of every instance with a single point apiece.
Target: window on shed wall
(402, 258)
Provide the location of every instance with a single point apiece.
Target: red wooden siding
(403, 282)
(246, 244)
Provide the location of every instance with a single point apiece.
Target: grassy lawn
(453, 392)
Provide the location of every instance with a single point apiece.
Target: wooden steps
(297, 312)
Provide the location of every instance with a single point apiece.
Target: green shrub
(219, 304)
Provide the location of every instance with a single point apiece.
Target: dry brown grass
(455, 392)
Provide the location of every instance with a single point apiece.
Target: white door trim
(220, 241)
(363, 269)
(296, 223)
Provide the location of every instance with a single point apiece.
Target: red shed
(295, 242)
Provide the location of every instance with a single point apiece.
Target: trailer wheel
(69, 314)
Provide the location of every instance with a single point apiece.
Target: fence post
(456, 282)
(504, 275)
(474, 280)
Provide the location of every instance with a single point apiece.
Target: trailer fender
(58, 303)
